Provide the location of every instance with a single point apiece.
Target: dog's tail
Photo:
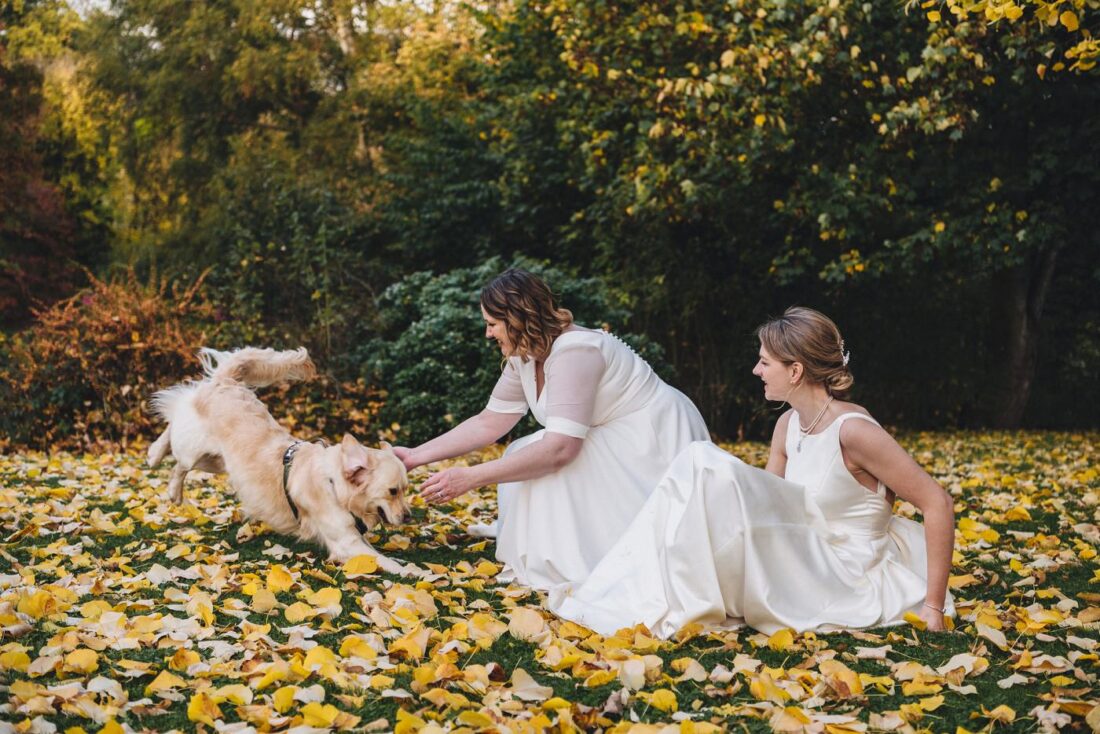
(257, 367)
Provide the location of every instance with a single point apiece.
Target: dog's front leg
(344, 542)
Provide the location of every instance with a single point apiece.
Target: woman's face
(775, 374)
(495, 329)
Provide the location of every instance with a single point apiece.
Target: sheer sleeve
(508, 396)
(572, 379)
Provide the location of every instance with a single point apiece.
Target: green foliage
(433, 360)
(289, 259)
(901, 168)
(81, 373)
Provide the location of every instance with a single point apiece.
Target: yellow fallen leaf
(320, 715)
(555, 704)
(665, 700)
(202, 710)
(781, 640)
(353, 646)
(525, 623)
(163, 682)
(916, 621)
(14, 660)
(183, 658)
(81, 660)
(381, 682)
(600, 678)
(408, 723)
(283, 698)
(279, 579)
(486, 569)
(763, 688)
(842, 679)
(1003, 713)
(329, 596)
(298, 612)
(475, 719)
(234, 693)
(263, 601)
(930, 703)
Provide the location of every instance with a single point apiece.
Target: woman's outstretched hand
(406, 456)
(444, 486)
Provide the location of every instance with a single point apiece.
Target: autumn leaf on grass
(81, 661)
(279, 579)
(781, 639)
(527, 624)
(201, 709)
(763, 688)
(361, 565)
(662, 699)
(326, 601)
(526, 688)
(842, 679)
(164, 681)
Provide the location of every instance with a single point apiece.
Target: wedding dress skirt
(721, 542)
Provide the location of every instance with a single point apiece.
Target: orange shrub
(80, 374)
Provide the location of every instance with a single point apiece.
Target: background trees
(919, 173)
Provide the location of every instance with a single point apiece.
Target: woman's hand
(444, 486)
(406, 456)
(933, 618)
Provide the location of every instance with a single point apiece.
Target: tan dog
(219, 425)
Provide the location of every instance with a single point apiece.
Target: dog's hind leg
(175, 482)
(160, 448)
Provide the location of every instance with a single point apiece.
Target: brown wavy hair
(529, 311)
(810, 338)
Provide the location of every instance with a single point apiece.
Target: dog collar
(288, 460)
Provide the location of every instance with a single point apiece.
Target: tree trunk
(1021, 291)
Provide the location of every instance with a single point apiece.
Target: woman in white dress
(811, 543)
(565, 493)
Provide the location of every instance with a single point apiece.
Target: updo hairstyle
(811, 338)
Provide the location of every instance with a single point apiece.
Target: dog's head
(376, 481)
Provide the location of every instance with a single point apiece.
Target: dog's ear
(356, 459)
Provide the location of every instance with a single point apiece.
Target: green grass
(49, 510)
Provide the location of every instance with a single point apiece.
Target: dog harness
(288, 460)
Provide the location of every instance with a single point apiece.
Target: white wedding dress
(721, 542)
(555, 528)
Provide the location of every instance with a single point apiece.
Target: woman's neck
(808, 401)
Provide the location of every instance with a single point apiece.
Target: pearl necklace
(803, 432)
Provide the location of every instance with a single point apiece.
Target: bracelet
(941, 611)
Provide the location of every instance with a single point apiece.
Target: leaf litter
(120, 612)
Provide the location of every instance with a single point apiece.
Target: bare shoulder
(857, 433)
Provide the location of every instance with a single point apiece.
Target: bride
(611, 428)
(809, 543)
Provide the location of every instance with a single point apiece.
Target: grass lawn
(122, 612)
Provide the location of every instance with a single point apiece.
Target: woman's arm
(872, 449)
(777, 455)
(473, 433)
(551, 453)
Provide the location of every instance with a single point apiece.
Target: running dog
(329, 494)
